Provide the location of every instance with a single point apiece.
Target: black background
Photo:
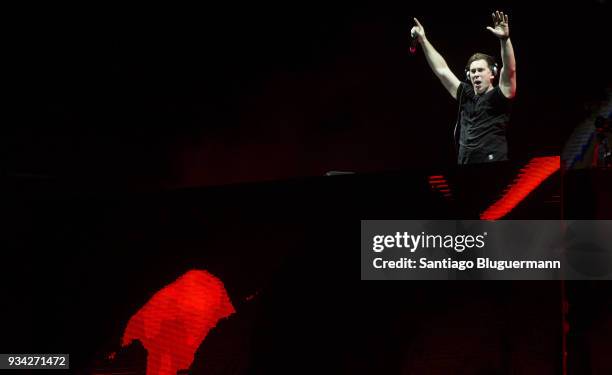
(219, 93)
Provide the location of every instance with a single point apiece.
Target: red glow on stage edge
(528, 179)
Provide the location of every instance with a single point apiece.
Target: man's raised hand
(501, 26)
(418, 31)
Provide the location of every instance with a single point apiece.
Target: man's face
(481, 76)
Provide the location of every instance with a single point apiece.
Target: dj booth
(84, 257)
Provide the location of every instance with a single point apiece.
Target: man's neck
(489, 89)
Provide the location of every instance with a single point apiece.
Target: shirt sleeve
(460, 90)
(500, 95)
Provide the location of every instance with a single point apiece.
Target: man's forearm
(434, 59)
(507, 55)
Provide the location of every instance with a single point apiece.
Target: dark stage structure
(283, 252)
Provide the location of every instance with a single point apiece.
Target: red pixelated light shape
(174, 322)
(529, 178)
(438, 183)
